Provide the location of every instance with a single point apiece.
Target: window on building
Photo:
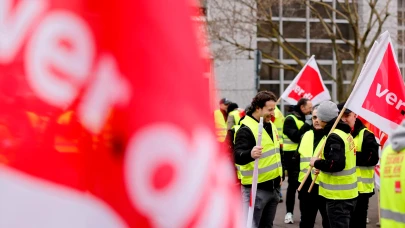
(275, 88)
(269, 49)
(303, 29)
(292, 29)
(268, 72)
(321, 50)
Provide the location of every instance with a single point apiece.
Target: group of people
(343, 155)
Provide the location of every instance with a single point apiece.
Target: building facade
(303, 29)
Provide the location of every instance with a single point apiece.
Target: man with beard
(366, 160)
(338, 180)
(270, 167)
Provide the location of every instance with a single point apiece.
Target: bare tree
(234, 25)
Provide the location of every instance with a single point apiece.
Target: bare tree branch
(237, 24)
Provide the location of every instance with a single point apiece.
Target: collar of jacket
(341, 126)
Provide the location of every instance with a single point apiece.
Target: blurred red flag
(86, 135)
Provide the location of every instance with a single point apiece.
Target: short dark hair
(302, 101)
(231, 107)
(259, 101)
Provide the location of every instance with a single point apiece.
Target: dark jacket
(334, 151)
(244, 143)
(291, 130)
(369, 148)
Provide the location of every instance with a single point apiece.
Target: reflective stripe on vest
(338, 187)
(270, 162)
(220, 125)
(365, 175)
(307, 151)
(395, 216)
(289, 145)
(249, 173)
(392, 188)
(343, 172)
(341, 185)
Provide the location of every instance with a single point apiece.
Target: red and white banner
(88, 135)
(379, 94)
(307, 84)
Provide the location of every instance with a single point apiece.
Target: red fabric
(119, 66)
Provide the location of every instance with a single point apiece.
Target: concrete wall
(233, 68)
(235, 80)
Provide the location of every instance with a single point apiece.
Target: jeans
(340, 211)
(359, 218)
(265, 206)
(292, 162)
(310, 203)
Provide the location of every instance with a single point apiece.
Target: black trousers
(310, 203)
(340, 212)
(292, 163)
(359, 218)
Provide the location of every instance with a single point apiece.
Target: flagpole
(358, 82)
(254, 181)
(320, 153)
(278, 101)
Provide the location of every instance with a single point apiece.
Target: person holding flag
(310, 203)
(338, 180)
(270, 168)
(366, 160)
(295, 125)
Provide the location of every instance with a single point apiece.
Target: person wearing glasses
(311, 143)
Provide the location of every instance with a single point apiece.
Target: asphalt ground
(281, 211)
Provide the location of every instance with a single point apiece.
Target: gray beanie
(327, 111)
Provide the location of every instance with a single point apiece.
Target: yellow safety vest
(279, 122)
(307, 151)
(236, 116)
(220, 125)
(270, 162)
(237, 127)
(365, 174)
(392, 177)
(289, 145)
(341, 185)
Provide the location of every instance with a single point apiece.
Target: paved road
(279, 220)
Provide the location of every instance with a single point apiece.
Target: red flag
(307, 84)
(86, 135)
(379, 94)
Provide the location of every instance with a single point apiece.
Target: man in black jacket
(366, 159)
(295, 126)
(338, 180)
(246, 151)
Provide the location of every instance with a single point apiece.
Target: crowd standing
(343, 173)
